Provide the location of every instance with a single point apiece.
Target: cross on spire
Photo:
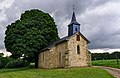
(73, 20)
(73, 8)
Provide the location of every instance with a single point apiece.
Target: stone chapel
(70, 51)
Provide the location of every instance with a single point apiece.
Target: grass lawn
(88, 72)
(111, 63)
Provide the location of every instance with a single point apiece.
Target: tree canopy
(32, 32)
(105, 56)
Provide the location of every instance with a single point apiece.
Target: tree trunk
(36, 60)
(117, 59)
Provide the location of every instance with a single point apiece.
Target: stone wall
(65, 54)
(53, 58)
(76, 60)
(89, 62)
(42, 59)
(61, 50)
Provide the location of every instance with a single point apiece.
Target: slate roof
(62, 40)
(54, 43)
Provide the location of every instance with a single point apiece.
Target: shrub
(32, 65)
(4, 61)
(17, 64)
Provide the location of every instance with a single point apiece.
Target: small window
(60, 56)
(75, 29)
(78, 38)
(43, 57)
(78, 49)
(66, 53)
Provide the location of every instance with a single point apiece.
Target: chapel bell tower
(74, 26)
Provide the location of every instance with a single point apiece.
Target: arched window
(78, 49)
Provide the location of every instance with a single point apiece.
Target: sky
(99, 19)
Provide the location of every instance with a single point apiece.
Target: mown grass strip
(88, 72)
(109, 63)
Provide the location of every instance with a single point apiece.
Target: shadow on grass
(13, 70)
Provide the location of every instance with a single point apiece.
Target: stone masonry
(64, 54)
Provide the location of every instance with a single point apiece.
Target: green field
(110, 63)
(55, 73)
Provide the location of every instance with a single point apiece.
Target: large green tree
(34, 31)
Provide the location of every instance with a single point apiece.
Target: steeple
(73, 20)
(73, 17)
(74, 26)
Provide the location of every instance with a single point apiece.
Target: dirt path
(114, 71)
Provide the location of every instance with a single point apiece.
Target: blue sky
(99, 19)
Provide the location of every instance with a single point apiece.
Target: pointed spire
(73, 20)
(73, 16)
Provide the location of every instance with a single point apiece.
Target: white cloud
(6, 4)
(104, 50)
(3, 6)
(5, 52)
(101, 25)
(2, 17)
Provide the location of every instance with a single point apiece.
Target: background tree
(34, 31)
(116, 55)
(1, 54)
(106, 56)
